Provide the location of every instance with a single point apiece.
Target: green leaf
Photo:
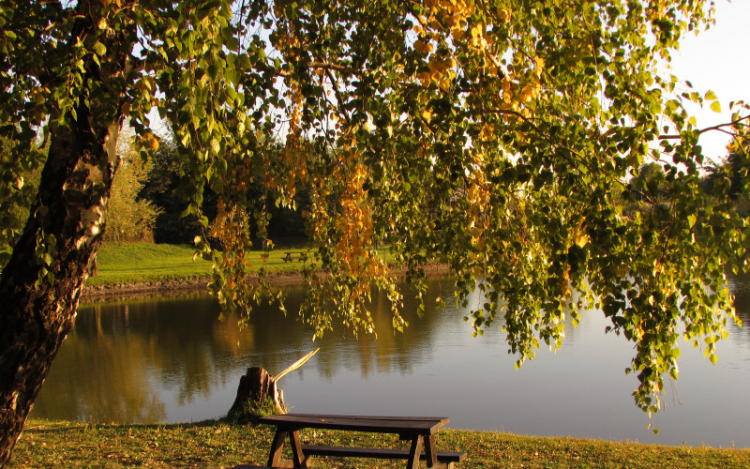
(215, 146)
(232, 75)
(100, 49)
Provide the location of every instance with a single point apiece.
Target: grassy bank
(140, 263)
(143, 263)
(218, 445)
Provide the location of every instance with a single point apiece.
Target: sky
(718, 60)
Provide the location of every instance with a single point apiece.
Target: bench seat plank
(384, 453)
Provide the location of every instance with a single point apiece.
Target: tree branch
(719, 127)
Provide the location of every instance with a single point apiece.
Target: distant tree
(650, 182)
(276, 216)
(19, 186)
(167, 187)
(730, 178)
(131, 217)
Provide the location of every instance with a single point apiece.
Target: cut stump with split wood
(256, 385)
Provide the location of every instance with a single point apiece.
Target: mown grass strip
(216, 444)
(142, 262)
(145, 262)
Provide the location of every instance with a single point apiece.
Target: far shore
(98, 292)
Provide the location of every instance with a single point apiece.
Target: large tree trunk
(41, 285)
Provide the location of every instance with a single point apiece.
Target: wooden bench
(419, 430)
(294, 256)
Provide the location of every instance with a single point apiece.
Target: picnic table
(420, 431)
(293, 256)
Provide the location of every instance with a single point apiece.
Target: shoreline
(118, 291)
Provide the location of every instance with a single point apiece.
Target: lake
(172, 360)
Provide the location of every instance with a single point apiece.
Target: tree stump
(256, 386)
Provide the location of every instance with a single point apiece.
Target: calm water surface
(172, 360)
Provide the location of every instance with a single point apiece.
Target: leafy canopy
(502, 137)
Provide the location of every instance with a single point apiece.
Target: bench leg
(431, 451)
(415, 452)
(298, 457)
(274, 457)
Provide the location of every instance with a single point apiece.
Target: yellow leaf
(716, 106)
(539, 61)
(436, 68)
(421, 46)
(427, 115)
(582, 240)
(150, 141)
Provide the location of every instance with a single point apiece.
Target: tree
(730, 178)
(15, 202)
(132, 217)
(165, 188)
(489, 135)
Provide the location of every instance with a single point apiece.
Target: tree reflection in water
(98, 373)
(123, 359)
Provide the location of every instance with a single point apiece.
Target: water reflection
(98, 374)
(171, 360)
(122, 359)
(740, 287)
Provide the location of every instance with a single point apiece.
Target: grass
(147, 262)
(144, 262)
(216, 444)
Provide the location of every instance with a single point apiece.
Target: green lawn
(219, 445)
(146, 262)
(143, 262)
